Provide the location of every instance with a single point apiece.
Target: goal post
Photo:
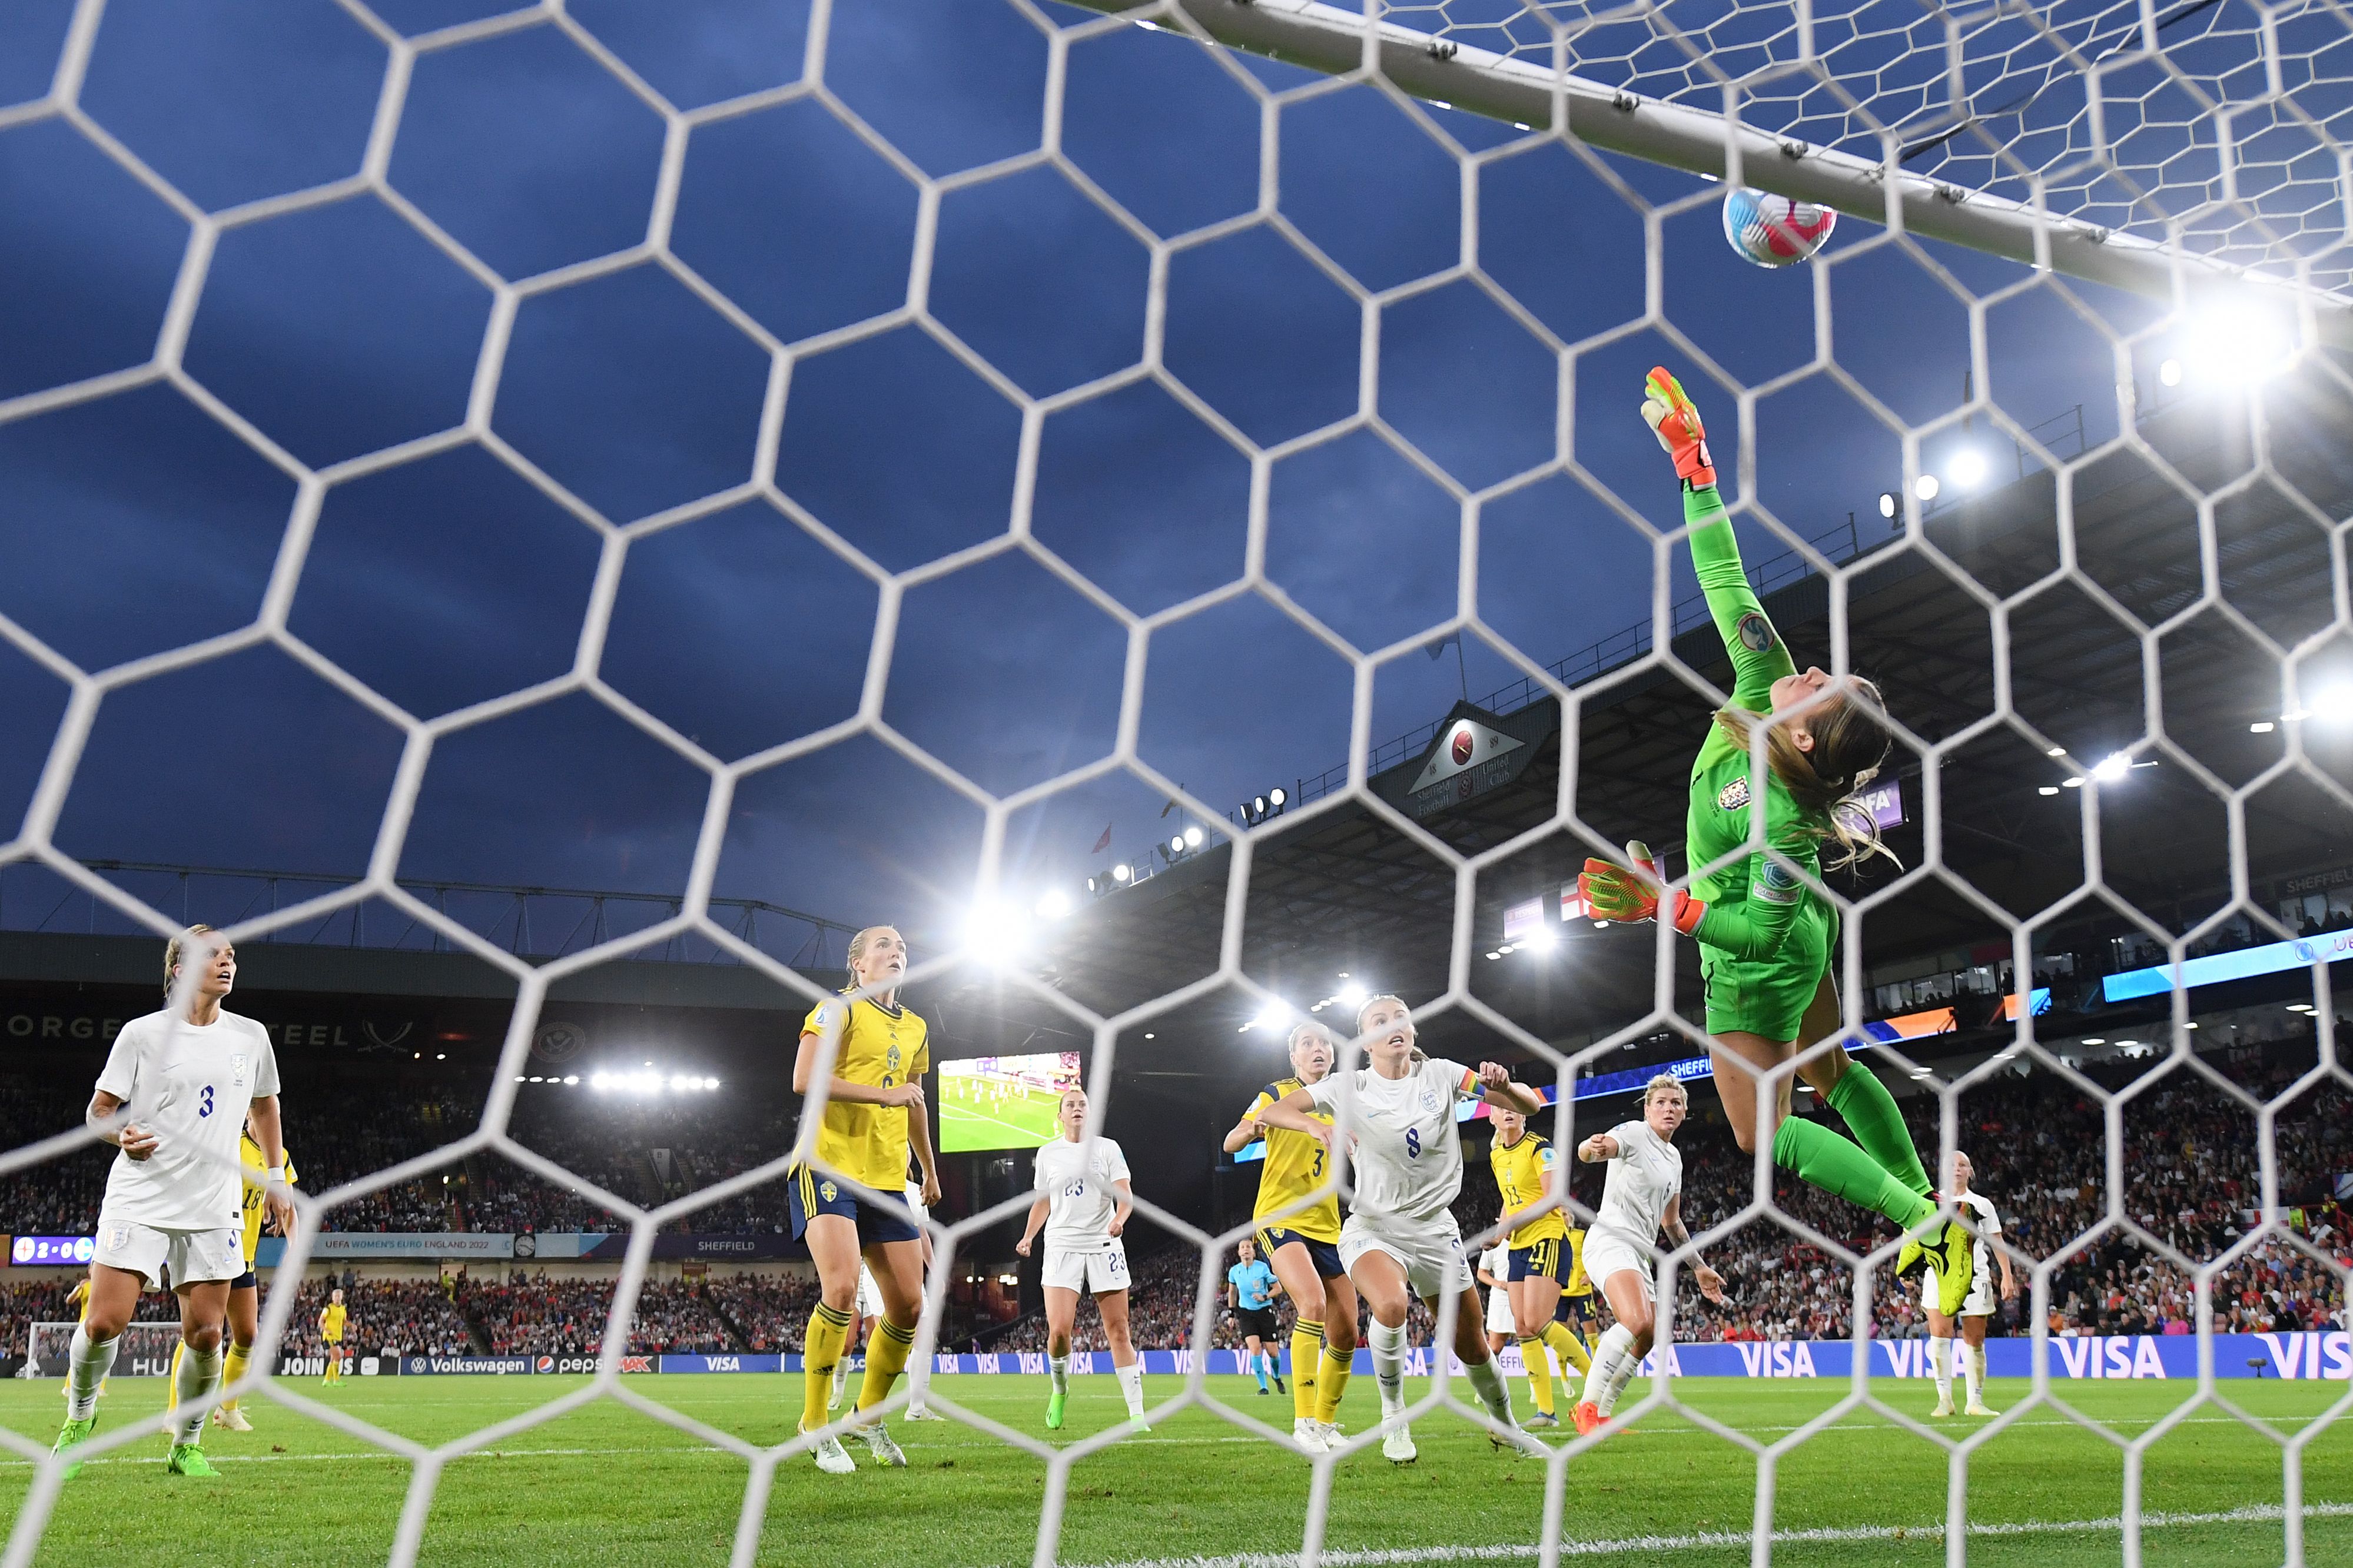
(145, 1349)
(1522, 92)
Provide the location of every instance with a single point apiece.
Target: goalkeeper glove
(1613, 893)
(1671, 416)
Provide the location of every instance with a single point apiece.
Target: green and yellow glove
(1668, 411)
(1612, 892)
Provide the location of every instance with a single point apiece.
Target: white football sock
(1131, 1386)
(199, 1375)
(1388, 1364)
(86, 1367)
(1628, 1364)
(1058, 1367)
(919, 1381)
(1973, 1372)
(1616, 1346)
(1487, 1382)
(840, 1375)
(1940, 1363)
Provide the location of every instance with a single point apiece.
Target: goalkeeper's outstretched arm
(1758, 656)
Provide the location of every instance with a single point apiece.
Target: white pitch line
(1718, 1540)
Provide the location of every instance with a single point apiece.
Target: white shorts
(1500, 1319)
(1608, 1252)
(870, 1294)
(1093, 1273)
(1430, 1252)
(1982, 1303)
(192, 1256)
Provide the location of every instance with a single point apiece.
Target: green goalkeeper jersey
(1753, 902)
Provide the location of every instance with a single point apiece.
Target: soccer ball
(1773, 231)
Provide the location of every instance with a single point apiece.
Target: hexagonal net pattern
(2218, 128)
(2213, 130)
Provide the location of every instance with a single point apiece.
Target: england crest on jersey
(237, 1070)
(1733, 795)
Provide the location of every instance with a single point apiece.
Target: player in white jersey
(1977, 1308)
(1495, 1273)
(1400, 1239)
(186, 1081)
(1083, 1201)
(1642, 1197)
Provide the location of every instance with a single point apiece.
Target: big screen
(1003, 1102)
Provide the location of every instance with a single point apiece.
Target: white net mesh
(2213, 576)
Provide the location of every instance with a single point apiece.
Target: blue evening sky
(138, 522)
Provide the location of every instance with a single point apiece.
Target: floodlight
(994, 934)
(2261, 727)
(1888, 505)
(1276, 797)
(1054, 905)
(2047, 789)
(2112, 767)
(1177, 844)
(1122, 872)
(2334, 704)
(1968, 469)
(1925, 487)
(1351, 995)
(2235, 344)
(1540, 940)
(2169, 373)
(1193, 836)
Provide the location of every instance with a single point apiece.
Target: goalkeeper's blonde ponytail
(1850, 743)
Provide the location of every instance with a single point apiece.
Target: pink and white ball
(1773, 231)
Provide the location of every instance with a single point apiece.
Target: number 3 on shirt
(205, 1106)
(1413, 1142)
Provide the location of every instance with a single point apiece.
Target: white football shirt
(1977, 1209)
(1409, 1157)
(1647, 1173)
(1497, 1261)
(1080, 1196)
(190, 1086)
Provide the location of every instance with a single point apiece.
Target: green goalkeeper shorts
(1769, 996)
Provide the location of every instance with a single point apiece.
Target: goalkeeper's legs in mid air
(1881, 1170)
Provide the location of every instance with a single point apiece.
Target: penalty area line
(1397, 1557)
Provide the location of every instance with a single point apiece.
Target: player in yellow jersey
(79, 1300)
(1299, 1236)
(874, 1118)
(1576, 1296)
(244, 1290)
(332, 1320)
(1526, 1168)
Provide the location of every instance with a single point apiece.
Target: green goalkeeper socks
(1870, 1113)
(1822, 1158)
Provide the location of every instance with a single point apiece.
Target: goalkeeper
(1765, 937)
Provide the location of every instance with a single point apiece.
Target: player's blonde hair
(1851, 741)
(1415, 1055)
(1664, 1083)
(173, 951)
(858, 946)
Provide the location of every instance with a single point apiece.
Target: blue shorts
(1539, 1261)
(1575, 1310)
(808, 1193)
(1323, 1255)
(248, 1280)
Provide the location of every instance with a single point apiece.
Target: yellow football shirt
(1295, 1166)
(331, 1323)
(883, 1046)
(1520, 1172)
(251, 1153)
(1577, 1283)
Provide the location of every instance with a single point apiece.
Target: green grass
(608, 1484)
(1014, 1123)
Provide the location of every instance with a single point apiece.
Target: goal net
(909, 327)
(146, 1350)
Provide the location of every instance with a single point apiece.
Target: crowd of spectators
(405, 1316)
(767, 1311)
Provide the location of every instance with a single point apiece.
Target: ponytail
(1851, 741)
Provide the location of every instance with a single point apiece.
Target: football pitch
(609, 1484)
(1017, 1121)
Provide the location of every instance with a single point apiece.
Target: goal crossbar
(1330, 39)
